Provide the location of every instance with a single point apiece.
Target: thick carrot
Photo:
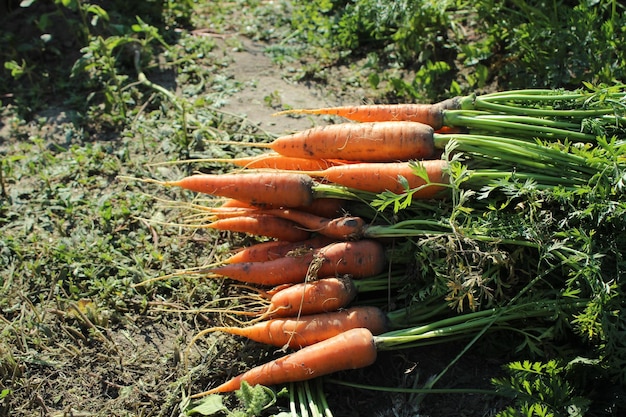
(274, 249)
(301, 331)
(430, 114)
(369, 142)
(260, 189)
(352, 349)
(359, 259)
(379, 177)
(326, 207)
(312, 297)
(262, 225)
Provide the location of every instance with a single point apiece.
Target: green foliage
(540, 390)
(252, 402)
(37, 33)
(558, 46)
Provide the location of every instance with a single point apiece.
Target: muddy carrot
(298, 332)
(430, 114)
(359, 259)
(351, 349)
(274, 249)
(259, 189)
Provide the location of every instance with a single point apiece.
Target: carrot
(351, 349)
(278, 161)
(297, 332)
(340, 228)
(322, 206)
(274, 249)
(312, 297)
(260, 189)
(326, 207)
(359, 259)
(369, 142)
(262, 225)
(430, 114)
(379, 177)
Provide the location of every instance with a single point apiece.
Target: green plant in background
(98, 64)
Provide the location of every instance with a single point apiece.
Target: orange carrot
(262, 225)
(379, 177)
(274, 249)
(312, 297)
(297, 332)
(260, 189)
(340, 228)
(369, 142)
(351, 349)
(359, 259)
(324, 207)
(430, 114)
(278, 161)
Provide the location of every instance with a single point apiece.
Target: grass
(77, 334)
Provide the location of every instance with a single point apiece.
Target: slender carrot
(359, 259)
(262, 225)
(305, 330)
(324, 207)
(340, 228)
(260, 189)
(379, 177)
(351, 349)
(274, 249)
(278, 161)
(369, 142)
(430, 114)
(312, 297)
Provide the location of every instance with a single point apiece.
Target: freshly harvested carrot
(301, 331)
(368, 142)
(340, 228)
(259, 189)
(326, 207)
(262, 225)
(312, 297)
(352, 349)
(359, 259)
(430, 114)
(323, 206)
(379, 177)
(278, 161)
(274, 249)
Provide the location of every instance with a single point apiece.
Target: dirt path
(266, 91)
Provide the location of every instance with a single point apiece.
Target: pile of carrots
(300, 198)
